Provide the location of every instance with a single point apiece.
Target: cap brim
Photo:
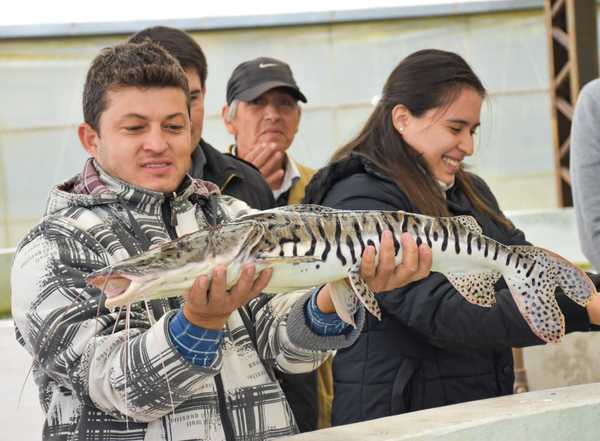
(258, 90)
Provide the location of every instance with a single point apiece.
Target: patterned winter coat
(103, 376)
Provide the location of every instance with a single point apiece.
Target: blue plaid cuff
(325, 325)
(197, 345)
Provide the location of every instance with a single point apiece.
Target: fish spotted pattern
(309, 245)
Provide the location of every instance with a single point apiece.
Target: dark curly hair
(142, 65)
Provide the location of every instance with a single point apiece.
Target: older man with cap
(262, 113)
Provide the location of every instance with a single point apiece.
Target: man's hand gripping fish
(309, 245)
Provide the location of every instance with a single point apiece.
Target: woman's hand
(386, 275)
(593, 309)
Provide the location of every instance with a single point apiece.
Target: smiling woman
(432, 348)
(444, 137)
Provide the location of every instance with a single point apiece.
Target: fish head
(111, 285)
(171, 267)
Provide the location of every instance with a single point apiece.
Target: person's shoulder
(219, 164)
(483, 189)
(587, 109)
(361, 182)
(241, 164)
(67, 222)
(366, 186)
(591, 90)
(478, 182)
(216, 159)
(353, 179)
(365, 183)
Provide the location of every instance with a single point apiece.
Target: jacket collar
(94, 186)
(210, 163)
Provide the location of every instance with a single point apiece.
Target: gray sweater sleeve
(585, 170)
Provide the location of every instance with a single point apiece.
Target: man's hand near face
(268, 157)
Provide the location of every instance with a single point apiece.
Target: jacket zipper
(210, 214)
(169, 216)
(225, 420)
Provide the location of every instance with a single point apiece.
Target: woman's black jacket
(432, 347)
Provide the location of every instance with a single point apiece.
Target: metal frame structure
(573, 61)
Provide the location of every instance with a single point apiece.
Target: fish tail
(574, 282)
(533, 283)
(344, 301)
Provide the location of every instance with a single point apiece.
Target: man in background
(262, 113)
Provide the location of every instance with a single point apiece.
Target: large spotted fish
(311, 245)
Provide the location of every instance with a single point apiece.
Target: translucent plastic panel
(39, 94)
(515, 135)
(33, 162)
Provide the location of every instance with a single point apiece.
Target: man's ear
(401, 117)
(299, 118)
(229, 125)
(88, 137)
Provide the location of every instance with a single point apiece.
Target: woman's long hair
(424, 80)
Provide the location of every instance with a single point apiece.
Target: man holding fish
(163, 369)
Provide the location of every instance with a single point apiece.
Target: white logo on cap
(263, 65)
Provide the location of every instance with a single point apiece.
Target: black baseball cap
(251, 79)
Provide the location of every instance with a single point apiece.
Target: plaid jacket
(105, 376)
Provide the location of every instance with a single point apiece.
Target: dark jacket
(432, 347)
(235, 177)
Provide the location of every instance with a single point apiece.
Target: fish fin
(535, 299)
(363, 292)
(344, 300)
(574, 282)
(476, 287)
(468, 222)
(305, 208)
(293, 260)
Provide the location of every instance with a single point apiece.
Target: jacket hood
(94, 186)
(65, 195)
(324, 179)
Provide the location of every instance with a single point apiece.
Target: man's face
(143, 138)
(270, 119)
(197, 104)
